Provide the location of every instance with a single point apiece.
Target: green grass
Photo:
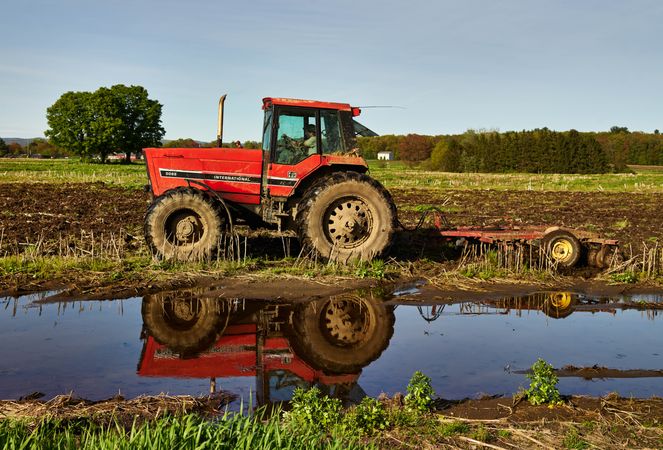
(394, 174)
(71, 171)
(232, 431)
(398, 175)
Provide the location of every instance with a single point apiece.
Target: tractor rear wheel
(183, 224)
(342, 334)
(347, 216)
(562, 247)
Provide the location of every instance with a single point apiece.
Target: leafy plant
(374, 269)
(543, 385)
(420, 393)
(625, 277)
(314, 410)
(368, 416)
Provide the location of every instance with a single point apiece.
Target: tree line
(36, 147)
(535, 151)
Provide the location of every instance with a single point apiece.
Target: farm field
(71, 234)
(57, 215)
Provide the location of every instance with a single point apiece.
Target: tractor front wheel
(183, 224)
(347, 216)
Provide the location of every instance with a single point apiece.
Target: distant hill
(21, 141)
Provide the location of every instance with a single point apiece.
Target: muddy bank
(266, 288)
(270, 288)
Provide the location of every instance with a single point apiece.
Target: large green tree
(116, 119)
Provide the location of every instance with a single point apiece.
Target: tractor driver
(310, 140)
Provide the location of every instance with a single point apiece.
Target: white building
(385, 155)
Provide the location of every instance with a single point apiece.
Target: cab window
(296, 136)
(330, 132)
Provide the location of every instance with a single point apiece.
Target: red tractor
(307, 178)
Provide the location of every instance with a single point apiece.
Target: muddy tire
(562, 247)
(343, 334)
(185, 324)
(184, 224)
(347, 216)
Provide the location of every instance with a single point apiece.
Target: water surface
(350, 345)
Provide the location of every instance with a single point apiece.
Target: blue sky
(451, 65)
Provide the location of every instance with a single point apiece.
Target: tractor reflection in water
(325, 343)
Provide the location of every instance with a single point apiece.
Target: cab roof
(269, 101)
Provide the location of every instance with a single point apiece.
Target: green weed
(367, 417)
(481, 433)
(420, 393)
(453, 428)
(311, 409)
(371, 269)
(620, 224)
(572, 440)
(624, 277)
(543, 385)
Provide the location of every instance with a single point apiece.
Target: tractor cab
(297, 129)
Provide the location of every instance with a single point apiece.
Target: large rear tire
(347, 216)
(342, 334)
(183, 224)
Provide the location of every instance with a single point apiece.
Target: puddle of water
(349, 345)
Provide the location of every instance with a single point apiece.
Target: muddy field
(30, 213)
(48, 213)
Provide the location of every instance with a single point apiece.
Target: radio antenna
(383, 106)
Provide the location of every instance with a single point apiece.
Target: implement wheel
(347, 216)
(559, 305)
(562, 247)
(183, 224)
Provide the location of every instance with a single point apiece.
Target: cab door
(294, 149)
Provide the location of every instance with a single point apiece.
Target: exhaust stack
(219, 129)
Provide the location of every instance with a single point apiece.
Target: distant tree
(656, 131)
(43, 147)
(446, 156)
(15, 149)
(181, 143)
(252, 144)
(4, 148)
(617, 129)
(438, 155)
(415, 147)
(120, 118)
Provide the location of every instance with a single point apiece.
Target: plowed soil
(33, 212)
(631, 218)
